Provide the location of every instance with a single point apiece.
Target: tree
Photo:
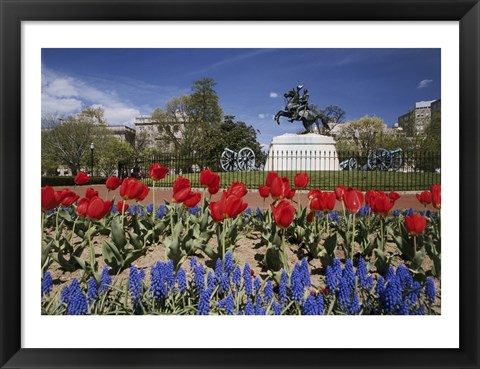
(173, 123)
(229, 134)
(362, 134)
(204, 103)
(141, 143)
(108, 152)
(66, 143)
(335, 113)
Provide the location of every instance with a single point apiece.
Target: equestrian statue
(297, 108)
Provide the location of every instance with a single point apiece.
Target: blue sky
(250, 82)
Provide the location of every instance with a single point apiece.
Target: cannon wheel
(397, 161)
(352, 164)
(246, 159)
(228, 161)
(379, 159)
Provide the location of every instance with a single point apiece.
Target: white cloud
(425, 83)
(263, 116)
(68, 95)
(273, 94)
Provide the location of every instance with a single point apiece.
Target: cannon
(377, 159)
(232, 161)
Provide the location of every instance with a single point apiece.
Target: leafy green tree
(109, 150)
(66, 141)
(361, 135)
(204, 103)
(229, 134)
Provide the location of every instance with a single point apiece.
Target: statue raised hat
(297, 108)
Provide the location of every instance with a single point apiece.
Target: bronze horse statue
(297, 110)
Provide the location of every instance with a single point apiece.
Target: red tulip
(353, 200)
(217, 209)
(98, 208)
(264, 191)
(82, 207)
(66, 197)
(382, 204)
(301, 180)
(329, 200)
(192, 199)
(112, 183)
(81, 178)
(209, 179)
(436, 191)
(270, 177)
(415, 224)
(131, 188)
(143, 194)
(323, 201)
(214, 190)
(90, 193)
(424, 198)
(283, 213)
(394, 195)
(234, 206)
(49, 201)
(121, 204)
(181, 189)
(340, 192)
(238, 189)
(370, 196)
(310, 216)
(276, 187)
(229, 206)
(157, 172)
(313, 193)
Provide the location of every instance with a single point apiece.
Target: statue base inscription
(302, 153)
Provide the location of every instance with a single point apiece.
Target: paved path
(406, 201)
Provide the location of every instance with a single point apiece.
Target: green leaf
(111, 254)
(118, 234)
(272, 258)
(331, 243)
(80, 262)
(58, 257)
(418, 260)
(45, 252)
(135, 240)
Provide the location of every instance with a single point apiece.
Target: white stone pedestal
(302, 153)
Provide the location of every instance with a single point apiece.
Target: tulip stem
(123, 211)
(153, 202)
(223, 245)
(56, 219)
(414, 246)
(73, 228)
(92, 251)
(284, 253)
(353, 237)
(43, 222)
(171, 219)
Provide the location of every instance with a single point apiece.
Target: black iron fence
(378, 169)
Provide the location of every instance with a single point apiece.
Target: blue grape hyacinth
(204, 303)
(92, 291)
(135, 288)
(76, 301)
(105, 280)
(430, 290)
(47, 284)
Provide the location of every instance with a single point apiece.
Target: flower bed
(221, 257)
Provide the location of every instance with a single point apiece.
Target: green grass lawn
(327, 180)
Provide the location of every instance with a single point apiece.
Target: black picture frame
(467, 12)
